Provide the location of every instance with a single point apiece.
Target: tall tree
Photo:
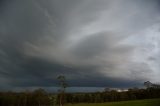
(148, 84)
(63, 85)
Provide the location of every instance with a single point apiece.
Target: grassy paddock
(147, 102)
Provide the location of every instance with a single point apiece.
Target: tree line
(113, 95)
(40, 97)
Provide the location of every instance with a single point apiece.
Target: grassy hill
(147, 102)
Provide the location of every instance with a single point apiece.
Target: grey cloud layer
(93, 43)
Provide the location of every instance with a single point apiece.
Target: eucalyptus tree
(63, 85)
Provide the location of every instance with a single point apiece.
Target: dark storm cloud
(96, 42)
(91, 42)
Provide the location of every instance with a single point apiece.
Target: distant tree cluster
(148, 84)
(41, 98)
(113, 95)
(37, 98)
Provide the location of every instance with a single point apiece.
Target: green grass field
(147, 102)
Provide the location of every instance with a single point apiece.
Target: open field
(147, 102)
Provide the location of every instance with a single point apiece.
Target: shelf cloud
(94, 43)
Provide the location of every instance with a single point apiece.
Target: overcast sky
(94, 43)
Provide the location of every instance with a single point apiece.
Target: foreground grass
(147, 102)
